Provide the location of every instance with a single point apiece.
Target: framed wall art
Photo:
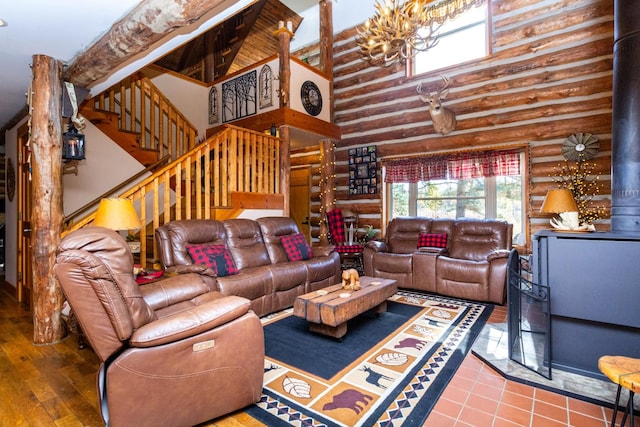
(363, 170)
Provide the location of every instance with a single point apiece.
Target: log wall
(549, 75)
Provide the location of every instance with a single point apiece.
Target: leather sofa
(172, 352)
(265, 275)
(472, 265)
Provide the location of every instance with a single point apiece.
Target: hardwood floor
(54, 385)
(43, 385)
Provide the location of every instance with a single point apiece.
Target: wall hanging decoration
(266, 87)
(239, 97)
(363, 170)
(580, 147)
(213, 105)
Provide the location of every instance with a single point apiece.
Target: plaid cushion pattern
(432, 240)
(348, 249)
(296, 247)
(216, 257)
(335, 220)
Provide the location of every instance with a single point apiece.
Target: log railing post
(46, 220)
(284, 35)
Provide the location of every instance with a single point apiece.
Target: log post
(46, 197)
(284, 39)
(327, 185)
(285, 168)
(326, 47)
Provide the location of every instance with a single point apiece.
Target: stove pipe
(625, 146)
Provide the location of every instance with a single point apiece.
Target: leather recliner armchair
(173, 352)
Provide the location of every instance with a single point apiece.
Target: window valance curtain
(454, 166)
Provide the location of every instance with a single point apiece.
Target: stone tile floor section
(480, 396)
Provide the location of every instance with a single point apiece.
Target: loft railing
(143, 109)
(200, 183)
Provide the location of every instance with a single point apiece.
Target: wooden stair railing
(139, 118)
(203, 182)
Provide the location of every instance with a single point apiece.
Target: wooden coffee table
(328, 310)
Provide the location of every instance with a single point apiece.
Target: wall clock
(311, 98)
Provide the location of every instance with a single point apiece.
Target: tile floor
(479, 396)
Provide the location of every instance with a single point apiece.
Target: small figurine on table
(350, 280)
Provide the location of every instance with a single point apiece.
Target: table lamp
(560, 201)
(117, 214)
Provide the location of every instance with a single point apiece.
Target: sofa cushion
(296, 247)
(216, 257)
(432, 240)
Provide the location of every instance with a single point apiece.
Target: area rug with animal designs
(389, 370)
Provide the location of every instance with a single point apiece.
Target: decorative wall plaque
(266, 87)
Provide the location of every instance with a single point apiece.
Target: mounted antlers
(444, 120)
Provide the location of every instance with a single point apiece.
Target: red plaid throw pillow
(432, 240)
(296, 247)
(216, 257)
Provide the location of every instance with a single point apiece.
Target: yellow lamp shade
(117, 214)
(559, 200)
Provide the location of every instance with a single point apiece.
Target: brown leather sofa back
(273, 228)
(476, 239)
(245, 243)
(402, 236)
(174, 236)
(107, 284)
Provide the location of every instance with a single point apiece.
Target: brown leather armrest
(172, 290)
(430, 250)
(191, 322)
(498, 253)
(377, 246)
(322, 250)
(191, 268)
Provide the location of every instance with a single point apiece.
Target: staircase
(233, 170)
(139, 118)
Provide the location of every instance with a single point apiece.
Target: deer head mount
(444, 120)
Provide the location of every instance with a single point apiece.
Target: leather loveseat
(471, 262)
(265, 275)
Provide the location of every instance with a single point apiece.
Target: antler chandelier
(400, 29)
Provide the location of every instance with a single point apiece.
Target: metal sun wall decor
(363, 170)
(239, 97)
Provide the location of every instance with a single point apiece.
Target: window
(499, 195)
(463, 39)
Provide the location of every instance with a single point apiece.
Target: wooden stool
(624, 371)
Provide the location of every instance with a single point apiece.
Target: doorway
(299, 191)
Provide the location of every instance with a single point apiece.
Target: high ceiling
(65, 28)
(240, 41)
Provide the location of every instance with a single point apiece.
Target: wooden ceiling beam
(145, 25)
